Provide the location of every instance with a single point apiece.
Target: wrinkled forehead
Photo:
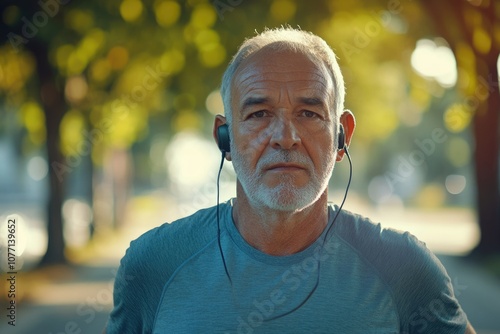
(283, 57)
(274, 65)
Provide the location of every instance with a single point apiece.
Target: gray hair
(286, 38)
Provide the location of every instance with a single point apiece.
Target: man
(278, 258)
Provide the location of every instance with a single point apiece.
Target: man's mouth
(285, 167)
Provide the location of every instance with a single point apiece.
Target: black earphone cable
(218, 219)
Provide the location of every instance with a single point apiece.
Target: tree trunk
(53, 104)
(486, 128)
(449, 18)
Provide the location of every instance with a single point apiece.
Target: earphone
(223, 141)
(341, 139)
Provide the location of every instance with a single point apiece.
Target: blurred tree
(75, 66)
(96, 72)
(472, 29)
(23, 28)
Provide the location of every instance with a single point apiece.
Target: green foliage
(122, 63)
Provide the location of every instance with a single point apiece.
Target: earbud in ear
(223, 138)
(341, 138)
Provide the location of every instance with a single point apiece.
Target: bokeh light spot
(172, 61)
(481, 40)
(203, 16)
(118, 57)
(131, 10)
(214, 103)
(37, 168)
(76, 89)
(457, 117)
(436, 62)
(167, 13)
(458, 151)
(33, 119)
(212, 55)
(455, 184)
(72, 126)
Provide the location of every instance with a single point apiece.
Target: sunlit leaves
(128, 128)
(467, 68)
(121, 124)
(203, 16)
(167, 12)
(72, 128)
(100, 70)
(211, 52)
(187, 119)
(33, 119)
(74, 59)
(79, 20)
(457, 117)
(481, 40)
(76, 89)
(131, 10)
(118, 57)
(212, 55)
(15, 69)
(172, 61)
(458, 152)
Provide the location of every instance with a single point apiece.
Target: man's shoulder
(172, 243)
(364, 234)
(195, 224)
(402, 261)
(386, 249)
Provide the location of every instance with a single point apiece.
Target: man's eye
(309, 114)
(258, 114)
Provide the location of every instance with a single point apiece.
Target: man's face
(283, 129)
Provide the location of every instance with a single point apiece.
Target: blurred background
(106, 115)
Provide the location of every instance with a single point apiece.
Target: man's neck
(279, 232)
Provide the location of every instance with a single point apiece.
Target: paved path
(76, 300)
(477, 292)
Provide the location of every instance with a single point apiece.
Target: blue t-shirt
(362, 279)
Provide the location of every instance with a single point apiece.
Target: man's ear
(219, 120)
(349, 123)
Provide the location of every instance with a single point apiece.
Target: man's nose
(284, 134)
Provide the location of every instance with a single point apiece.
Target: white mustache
(284, 157)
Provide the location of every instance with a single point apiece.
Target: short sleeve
(148, 264)
(125, 298)
(137, 288)
(426, 296)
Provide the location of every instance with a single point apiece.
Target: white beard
(285, 196)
